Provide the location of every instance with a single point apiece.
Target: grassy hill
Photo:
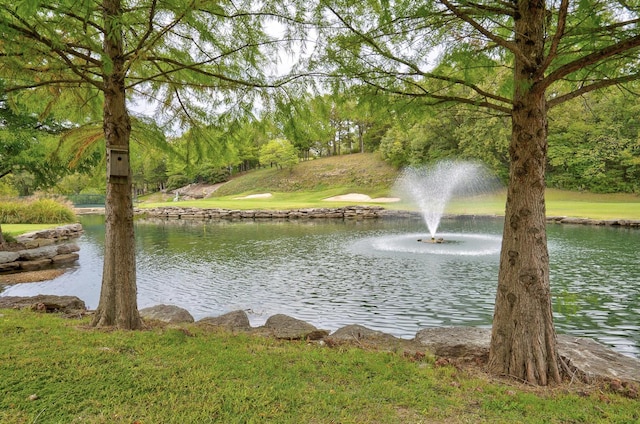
(364, 173)
(310, 182)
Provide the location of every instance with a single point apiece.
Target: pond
(375, 273)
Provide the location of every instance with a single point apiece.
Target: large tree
(71, 58)
(460, 51)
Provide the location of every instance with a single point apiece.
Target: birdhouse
(118, 162)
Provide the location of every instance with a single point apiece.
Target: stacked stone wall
(42, 249)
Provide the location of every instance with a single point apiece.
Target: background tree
(460, 51)
(83, 60)
(279, 152)
(594, 143)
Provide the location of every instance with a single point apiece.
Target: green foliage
(38, 211)
(193, 374)
(394, 147)
(207, 173)
(449, 132)
(441, 54)
(177, 181)
(279, 152)
(27, 150)
(594, 144)
(7, 189)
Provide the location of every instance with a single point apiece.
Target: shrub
(38, 211)
(211, 175)
(177, 181)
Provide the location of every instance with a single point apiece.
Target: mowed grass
(311, 182)
(56, 370)
(17, 229)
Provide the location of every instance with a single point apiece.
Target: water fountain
(431, 188)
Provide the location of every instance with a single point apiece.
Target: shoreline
(346, 212)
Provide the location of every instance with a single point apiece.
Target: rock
(167, 313)
(286, 327)
(38, 253)
(236, 320)
(6, 257)
(46, 303)
(362, 336)
(9, 267)
(35, 264)
(356, 332)
(589, 359)
(456, 342)
(36, 243)
(593, 360)
(30, 276)
(67, 248)
(65, 259)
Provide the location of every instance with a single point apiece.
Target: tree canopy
(90, 61)
(517, 59)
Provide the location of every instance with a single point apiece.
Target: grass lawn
(559, 203)
(55, 370)
(17, 229)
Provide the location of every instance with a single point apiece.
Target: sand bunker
(255, 196)
(357, 197)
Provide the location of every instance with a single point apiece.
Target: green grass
(17, 229)
(559, 203)
(363, 173)
(194, 375)
(313, 181)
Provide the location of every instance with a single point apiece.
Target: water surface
(332, 273)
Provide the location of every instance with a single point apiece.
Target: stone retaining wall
(42, 249)
(347, 212)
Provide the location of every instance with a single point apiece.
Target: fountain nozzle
(432, 240)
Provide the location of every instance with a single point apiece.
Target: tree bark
(118, 296)
(2, 242)
(523, 340)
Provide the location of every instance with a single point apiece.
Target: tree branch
(388, 55)
(70, 83)
(61, 53)
(178, 66)
(590, 59)
(591, 87)
(557, 37)
(485, 32)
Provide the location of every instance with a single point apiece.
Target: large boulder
(359, 335)
(167, 313)
(44, 303)
(593, 360)
(7, 257)
(285, 327)
(236, 320)
(66, 258)
(35, 264)
(586, 357)
(456, 342)
(38, 253)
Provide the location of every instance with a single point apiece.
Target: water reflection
(374, 273)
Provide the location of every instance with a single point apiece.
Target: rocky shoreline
(346, 212)
(584, 358)
(42, 249)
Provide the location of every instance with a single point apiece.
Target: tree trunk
(2, 242)
(118, 296)
(523, 340)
